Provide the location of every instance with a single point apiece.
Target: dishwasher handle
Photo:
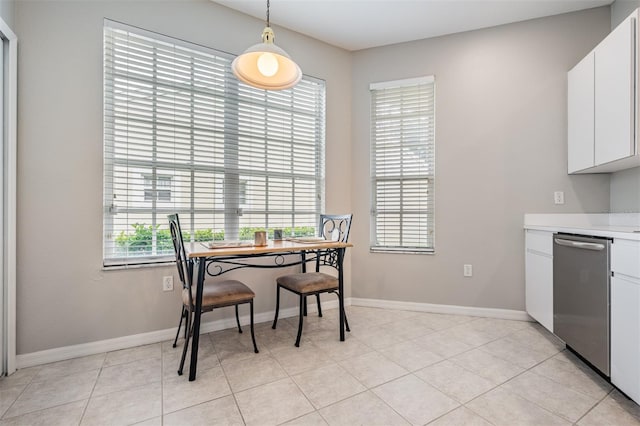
(579, 244)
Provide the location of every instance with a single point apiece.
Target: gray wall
(64, 297)
(620, 9)
(625, 185)
(500, 152)
(625, 191)
(7, 8)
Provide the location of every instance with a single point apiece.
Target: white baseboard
(443, 309)
(92, 348)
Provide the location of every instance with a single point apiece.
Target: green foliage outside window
(140, 241)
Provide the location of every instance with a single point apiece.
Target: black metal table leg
(341, 291)
(195, 339)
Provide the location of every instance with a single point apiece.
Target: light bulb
(267, 64)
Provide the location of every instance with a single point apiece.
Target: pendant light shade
(265, 65)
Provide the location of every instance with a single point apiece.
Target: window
(182, 134)
(402, 165)
(161, 191)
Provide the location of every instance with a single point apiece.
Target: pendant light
(265, 65)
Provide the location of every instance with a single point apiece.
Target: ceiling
(361, 24)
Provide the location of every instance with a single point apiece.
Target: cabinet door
(614, 94)
(580, 114)
(625, 335)
(539, 287)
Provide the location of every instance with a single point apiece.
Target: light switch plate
(468, 270)
(558, 197)
(167, 283)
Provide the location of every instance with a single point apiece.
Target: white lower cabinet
(625, 317)
(625, 336)
(624, 302)
(539, 277)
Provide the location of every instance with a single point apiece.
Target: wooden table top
(198, 250)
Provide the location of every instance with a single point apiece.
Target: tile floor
(395, 367)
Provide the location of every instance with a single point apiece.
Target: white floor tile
(502, 407)
(569, 371)
(362, 409)
(221, 411)
(70, 366)
(297, 360)
(125, 376)
(410, 355)
(395, 367)
(134, 354)
(326, 385)
(126, 407)
(555, 397)
(457, 382)
(273, 403)
(486, 365)
(61, 415)
(459, 417)
(373, 369)
(178, 392)
(245, 374)
(615, 409)
(54, 391)
(415, 400)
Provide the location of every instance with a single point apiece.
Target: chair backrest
(328, 226)
(331, 222)
(185, 266)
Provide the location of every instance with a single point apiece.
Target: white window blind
(402, 165)
(182, 134)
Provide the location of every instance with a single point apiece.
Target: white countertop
(614, 225)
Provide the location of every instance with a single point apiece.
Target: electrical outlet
(558, 197)
(167, 283)
(468, 270)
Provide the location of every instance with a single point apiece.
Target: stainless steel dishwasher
(581, 276)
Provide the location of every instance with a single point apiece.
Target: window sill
(401, 250)
(159, 264)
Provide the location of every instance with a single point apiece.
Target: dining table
(217, 259)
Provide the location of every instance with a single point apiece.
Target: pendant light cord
(267, 13)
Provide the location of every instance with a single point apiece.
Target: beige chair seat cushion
(221, 293)
(308, 282)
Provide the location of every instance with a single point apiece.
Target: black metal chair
(214, 294)
(315, 283)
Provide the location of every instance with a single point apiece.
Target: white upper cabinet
(602, 104)
(580, 114)
(614, 94)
